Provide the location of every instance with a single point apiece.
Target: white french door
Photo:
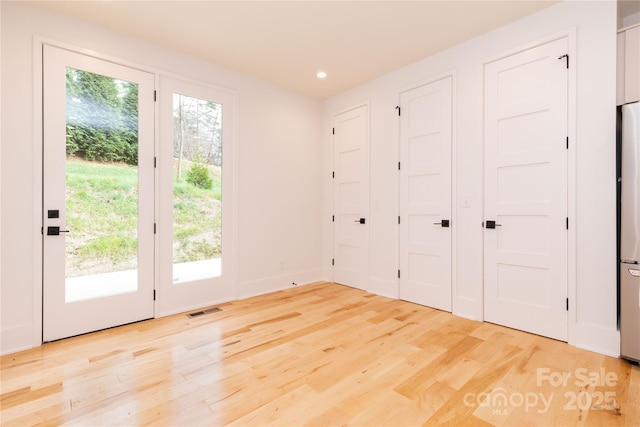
(98, 194)
(525, 236)
(425, 194)
(351, 197)
(195, 196)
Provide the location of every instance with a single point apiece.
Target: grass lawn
(102, 208)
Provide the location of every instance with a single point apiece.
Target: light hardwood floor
(322, 355)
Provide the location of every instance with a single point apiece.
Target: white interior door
(525, 236)
(98, 194)
(425, 195)
(351, 197)
(195, 196)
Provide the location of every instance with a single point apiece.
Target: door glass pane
(197, 184)
(101, 186)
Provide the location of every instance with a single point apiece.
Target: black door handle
(492, 225)
(55, 231)
(361, 220)
(443, 223)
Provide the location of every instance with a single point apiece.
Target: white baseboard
(383, 287)
(468, 308)
(277, 283)
(595, 338)
(16, 339)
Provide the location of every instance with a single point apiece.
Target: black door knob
(55, 231)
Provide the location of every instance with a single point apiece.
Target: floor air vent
(203, 312)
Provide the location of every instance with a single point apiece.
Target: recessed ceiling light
(321, 75)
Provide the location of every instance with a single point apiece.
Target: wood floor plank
(323, 355)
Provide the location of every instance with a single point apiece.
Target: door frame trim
(571, 36)
(38, 220)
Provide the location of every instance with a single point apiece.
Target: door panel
(351, 198)
(526, 191)
(425, 195)
(98, 194)
(195, 196)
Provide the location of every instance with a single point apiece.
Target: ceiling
(288, 42)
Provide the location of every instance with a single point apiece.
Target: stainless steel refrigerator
(629, 230)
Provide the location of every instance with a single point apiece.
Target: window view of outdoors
(197, 184)
(101, 185)
(102, 174)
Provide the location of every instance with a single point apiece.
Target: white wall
(277, 189)
(592, 277)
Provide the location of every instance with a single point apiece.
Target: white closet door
(351, 197)
(425, 195)
(525, 265)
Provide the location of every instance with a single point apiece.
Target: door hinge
(154, 294)
(398, 108)
(333, 131)
(565, 56)
(155, 162)
(567, 143)
(398, 219)
(333, 174)
(398, 165)
(154, 228)
(333, 261)
(567, 223)
(333, 218)
(567, 304)
(41, 230)
(155, 95)
(398, 274)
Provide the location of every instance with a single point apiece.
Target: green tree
(198, 174)
(130, 122)
(102, 117)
